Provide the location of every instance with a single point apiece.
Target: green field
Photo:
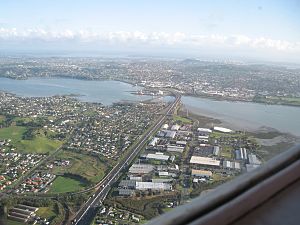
(216, 134)
(226, 151)
(23, 119)
(46, 212)
(146, 207)
(2, 118)
(39, 144)
(13, 132)
(278, 100)
(65, 184)
(86, 166)
(12, 222)
(182, 119)
(167, 210)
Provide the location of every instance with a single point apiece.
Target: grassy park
(66, 184)
(86, 166)
(46, 212)
(39, 144)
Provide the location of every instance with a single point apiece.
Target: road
(83, 215)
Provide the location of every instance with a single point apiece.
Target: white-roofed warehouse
(153, 186)
(158, 156)
(204, 161)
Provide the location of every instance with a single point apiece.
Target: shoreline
(271, 142)
(222, 99)
(244, 125)
(233, 123)
(249, 117)
(142, 86)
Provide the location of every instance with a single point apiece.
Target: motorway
(82, 217)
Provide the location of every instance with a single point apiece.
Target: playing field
(39, 144)
(65, 184)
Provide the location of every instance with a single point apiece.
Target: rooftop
(271, 192)
(204, 161)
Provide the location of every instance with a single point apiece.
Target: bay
(247, 115)
(105, 92)
(236, 115)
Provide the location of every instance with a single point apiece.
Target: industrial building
(170, 134)
(253, 159)
(175, 127)
(165, 126)
(172, 148)
(163, 173)
(136, 178)
(153, 186)
(127, 184)
(206, 150)
(127, 187)
(154, 141)
(181, 143)
(205, 161)
(254, 162)
(216, 150)
(203, 139)
(202, 173)
(162, 180)
(241, 154)
(204, 131)
(158, 156)
(223, 130)
(141, 168)
(231, 165)
(126, 192)
(22, 213)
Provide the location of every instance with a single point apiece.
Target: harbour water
(105, 92)
(247, 115)
(238, 115)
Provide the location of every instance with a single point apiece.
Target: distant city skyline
(263, 30)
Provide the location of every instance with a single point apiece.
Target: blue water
(246, 115)
(239, 115)
(105, 92)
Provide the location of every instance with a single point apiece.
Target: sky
(262, 29)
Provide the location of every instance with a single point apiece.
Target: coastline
(271, 142)
(228, 99)
(143, 86)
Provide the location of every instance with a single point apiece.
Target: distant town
(268, 84)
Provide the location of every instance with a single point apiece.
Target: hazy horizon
(231, 30)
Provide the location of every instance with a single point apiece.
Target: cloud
(155, 38)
